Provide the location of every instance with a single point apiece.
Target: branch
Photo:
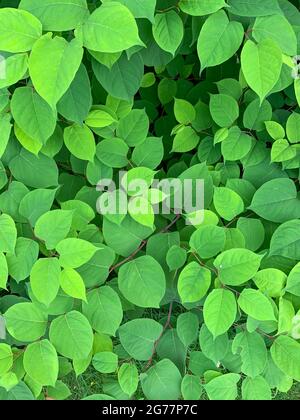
(142, 246)
(166, 326)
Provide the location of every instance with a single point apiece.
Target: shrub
(163, 306)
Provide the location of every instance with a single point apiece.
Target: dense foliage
(161, 306)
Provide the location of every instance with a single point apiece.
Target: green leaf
(193, 283)
(254, 7)
(80, 141)
(293, 281)
(282, 151)
(25, 322)
(77, 101)
(184, 112)
(275, 130)
(256, 114)
(185, 140)
(286, 354)
(22, 260)
(255, 304)
(53, 226)
(228, 203)
(293, 127)
(53, 64)
(6, 358)
(103, 309)
(236, 145)
(72, 335)
(219, 39)
(57, 15)
(105, 362)
(168, 31)
(15, 69)
(253, 353)
(8, 381)
(220, 311)
(142, 282)
(176, 257)
(72, 284)
(32, 114)
(110, 28)
(270, 281)
(8, 234)
(201, 8)
(256, 389)
(128, 377)
(264, 28)
(113, 152)
(281, 196)
(44, 280)
(5, 126)
(141, 211)
(41, 362)
(191, 388)
(140, 9)
(223, 388)
(99, 118)
(286, 240)
(139, 336)
(149, 154)
(261, 65)
(36, 203)
(286, 316)
(3, 271)
(237, 266)
(34, 171)
(20, 30)
(124, 78)
(75, 252)
(208, 241)
(253, 231)
(224, 109)
(169, 379)
(134, 127)
(187, 328)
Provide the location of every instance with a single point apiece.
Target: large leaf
(41, 362)
(168, 31)
(19, 30)
(257, 305)
(237, 266)
(72, 335)
(194, 282)
(142, 282)
(201, 7)
(139, 336)
(104, 310)
(219, 39)
(286, 355)
(110, 28)
(57, 15)
(220, 310)
(261, 65)
(280, 195)
(53, 65)
(169, 379)
(253, 353)
(286, 240)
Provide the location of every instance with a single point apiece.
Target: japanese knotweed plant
(163, 306)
